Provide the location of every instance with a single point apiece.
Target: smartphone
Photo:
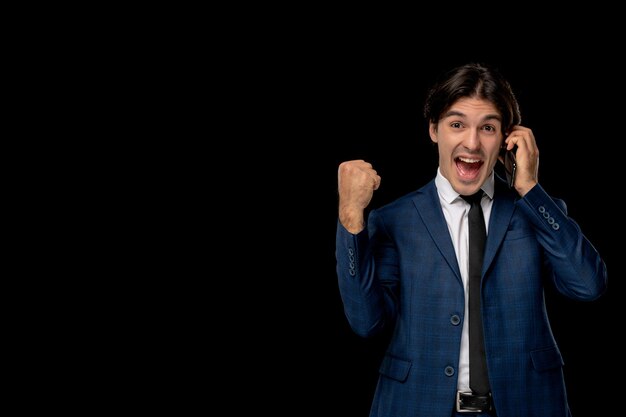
(510, 165)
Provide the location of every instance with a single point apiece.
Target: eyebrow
(461, 114)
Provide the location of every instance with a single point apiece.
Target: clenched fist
(357, 182)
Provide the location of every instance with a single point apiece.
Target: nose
(472, 140)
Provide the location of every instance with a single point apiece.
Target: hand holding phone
(522, 143)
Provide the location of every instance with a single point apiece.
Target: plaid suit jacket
(402, 271)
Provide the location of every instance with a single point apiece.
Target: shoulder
(409, 200)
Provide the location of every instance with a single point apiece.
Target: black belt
(467, 402)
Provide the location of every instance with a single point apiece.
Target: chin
(467, 188)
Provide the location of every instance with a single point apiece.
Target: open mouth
(468, 168)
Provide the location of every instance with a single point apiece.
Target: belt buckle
(465, 408)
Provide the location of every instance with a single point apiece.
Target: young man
(408, 265)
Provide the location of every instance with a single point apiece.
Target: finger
(377, 180)
(526, 142)
(520, 134)
(364, 164)
(514, 139)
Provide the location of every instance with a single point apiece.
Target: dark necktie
(479, 381)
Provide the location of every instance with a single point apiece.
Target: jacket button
(555, 226)
(350, 251)
(455, 319)
(546, 215)
(449, 371)
(542, 209)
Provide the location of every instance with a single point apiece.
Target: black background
(244, 125)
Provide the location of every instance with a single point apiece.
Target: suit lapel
(429, 209)
(501, 212)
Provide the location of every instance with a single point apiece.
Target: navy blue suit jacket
(402, 271)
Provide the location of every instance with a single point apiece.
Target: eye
(489, 128)
(456, 125)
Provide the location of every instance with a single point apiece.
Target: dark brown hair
(473, 80)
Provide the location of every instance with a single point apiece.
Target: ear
(432, 130)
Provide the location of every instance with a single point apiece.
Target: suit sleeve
(578, 270)
(367, 269)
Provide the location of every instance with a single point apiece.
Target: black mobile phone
(510, 165)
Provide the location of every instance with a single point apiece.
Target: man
(407, 265)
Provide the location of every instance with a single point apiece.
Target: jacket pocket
(546, 358)
(514, 234)
(395, 368)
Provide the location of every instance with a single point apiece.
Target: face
(468, 137)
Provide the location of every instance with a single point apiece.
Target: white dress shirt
(455, 210)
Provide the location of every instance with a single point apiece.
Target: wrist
(353, 220)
